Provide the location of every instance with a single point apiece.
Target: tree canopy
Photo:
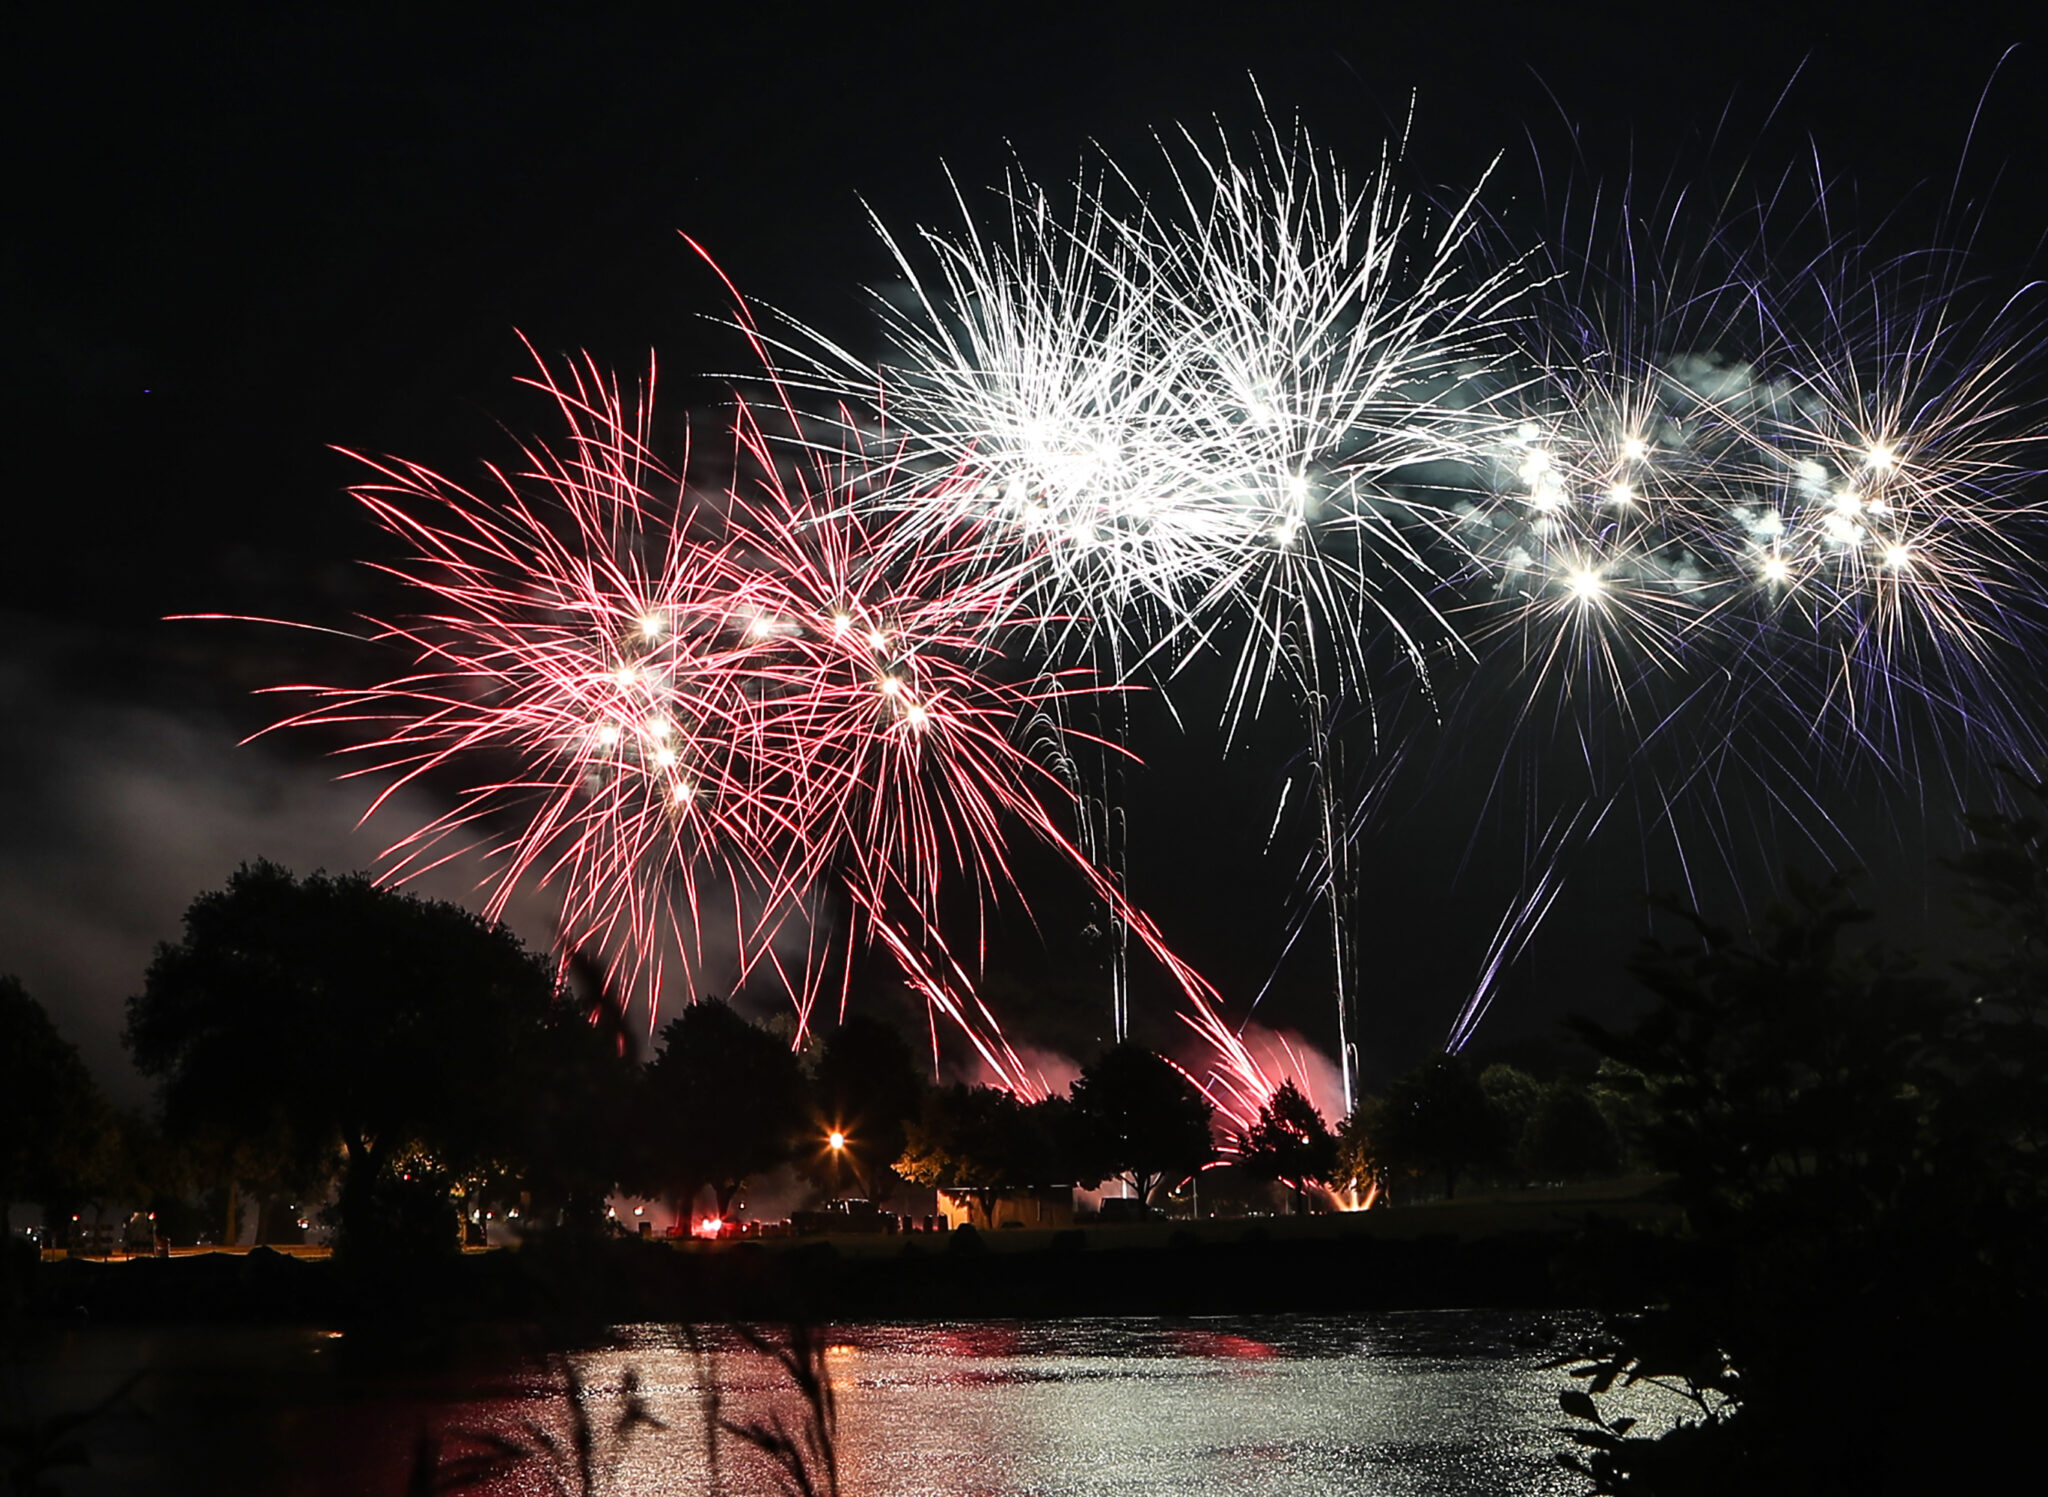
(324, 1015)
(53, 1122)
(1437, 1120)
(982, 1140)
(1137, 1118)
(724, 1101)
(1857, 1142)
(1289, 1142)
(866, 1087)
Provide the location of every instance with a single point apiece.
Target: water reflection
(1445, 1403)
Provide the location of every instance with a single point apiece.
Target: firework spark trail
(1181, 412)
(1712, 525)
(747, 698)
(1800, 558)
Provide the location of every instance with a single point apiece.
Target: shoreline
(1565, 1249)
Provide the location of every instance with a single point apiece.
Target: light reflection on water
(1450, 1403)
(1440, 1402)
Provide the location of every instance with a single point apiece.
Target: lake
(1442, 1402)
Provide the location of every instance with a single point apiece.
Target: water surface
(1448, 1403)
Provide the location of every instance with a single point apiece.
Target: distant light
(639, 1210)
(836, 1139)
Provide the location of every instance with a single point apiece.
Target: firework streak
(1698, 524)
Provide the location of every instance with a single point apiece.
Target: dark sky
(238, 238)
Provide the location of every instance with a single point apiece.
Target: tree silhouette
(866, 1087)
(1436, 1120)
(980, 1140)
(53, 1122)
(298, 1019)
(1289, 1142)
(723, 1102)
(1857, 1143)
(1138, 1119)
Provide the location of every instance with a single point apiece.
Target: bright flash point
(652, 625)
(1635, 449)
(626, 675)
(1898, 557)
(608, 734)
(836, 1139)
(892, 686)
(878, 639)
(683, 791)
(664, 758)
(1776, 569)
(1879, 456)
(917, 715)
(841, 623)
(1622, 493)
(1586, 585)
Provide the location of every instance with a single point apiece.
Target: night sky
(238, 239)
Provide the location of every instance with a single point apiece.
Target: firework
(1792, 561)
(659, 701)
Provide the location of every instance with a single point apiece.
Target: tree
(1566, 1136)
(300, 1019)
(1359, 1167)
(53, 1122)
(1514, 1094)
(981, 1140)
(866, 1088)
(723, 1102)
(577, 1128)
(1138, 1119)
(1289, 1142)
(1857, 1144)
(1436, 1120)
